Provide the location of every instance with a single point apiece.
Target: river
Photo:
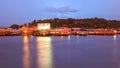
(60, 52)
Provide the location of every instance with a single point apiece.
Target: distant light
(115, 31)
(42, 26)
(25, 31)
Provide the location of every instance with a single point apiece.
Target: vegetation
(89, 23)
(15, 26)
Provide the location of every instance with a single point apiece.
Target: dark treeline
(89, 23)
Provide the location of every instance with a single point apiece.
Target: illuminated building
(44, 26)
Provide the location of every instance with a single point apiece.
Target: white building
(43, 26)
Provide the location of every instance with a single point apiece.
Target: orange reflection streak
(26, 55)
(44, 52)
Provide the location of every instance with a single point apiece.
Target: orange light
(26, 53)
(115, 31)
(25, 31)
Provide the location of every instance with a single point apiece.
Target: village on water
(44, 29)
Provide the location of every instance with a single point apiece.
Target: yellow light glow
(25, 40)
(25, 31)
(26, 55)
(115, 31)
(43, 26)
(44, 52)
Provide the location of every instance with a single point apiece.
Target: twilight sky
(23, 11)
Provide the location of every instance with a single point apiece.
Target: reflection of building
(26, 53)
(43, 26)
(44, 52)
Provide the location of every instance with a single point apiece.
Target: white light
(114, 37)
(43, 26)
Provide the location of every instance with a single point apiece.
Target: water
(60, 52)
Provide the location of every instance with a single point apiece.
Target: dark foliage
(15, 26)
(88, 23)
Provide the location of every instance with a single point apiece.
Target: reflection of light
(114, 37)
(115, 50)
(44, 52)
(68, 37)
(69, 42)
(26, 55)
(77, 35)
(25, 40)
(77, 39)
(61, 36)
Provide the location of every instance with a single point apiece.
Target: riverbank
(58, 32)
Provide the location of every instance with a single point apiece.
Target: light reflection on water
(44, 52)
(60, 52)
(26, 53)
(114, 37)
(116, 52)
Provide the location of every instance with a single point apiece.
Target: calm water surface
(60, 52)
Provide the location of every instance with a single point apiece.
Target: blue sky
(23, 11)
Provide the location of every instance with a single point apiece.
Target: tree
(15, 26)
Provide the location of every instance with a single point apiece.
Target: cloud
(61, 10)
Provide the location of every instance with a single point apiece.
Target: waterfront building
(2, 29)
(75, 31)
(43, 26)
(44, 29)
(102, 32)
(61, 31)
